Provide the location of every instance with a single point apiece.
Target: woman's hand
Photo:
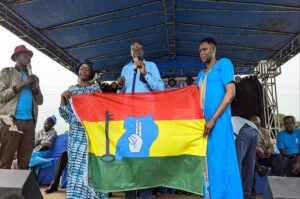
(208, 126)
(94, 92)
(66, 95)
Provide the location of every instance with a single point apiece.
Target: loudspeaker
(20, 182)
(282, 188)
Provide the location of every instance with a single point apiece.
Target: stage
(60, 194)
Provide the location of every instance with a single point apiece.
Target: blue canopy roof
(246, 31)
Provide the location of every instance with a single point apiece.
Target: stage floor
(61, 195)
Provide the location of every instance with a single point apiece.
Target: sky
(54, 79)
(288, 88)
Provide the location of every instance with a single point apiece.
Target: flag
(143, 140)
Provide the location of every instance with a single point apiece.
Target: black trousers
(62, 163)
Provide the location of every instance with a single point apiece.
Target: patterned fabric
(77, 150)
(264, 143)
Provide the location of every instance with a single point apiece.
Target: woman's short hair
(89, 63)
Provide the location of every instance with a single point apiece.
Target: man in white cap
(20, 96)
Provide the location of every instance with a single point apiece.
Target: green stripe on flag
(183, 172)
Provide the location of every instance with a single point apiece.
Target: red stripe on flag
(174, 104)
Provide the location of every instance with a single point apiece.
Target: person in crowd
(139, 75)
(217, 90)
(20, 96)
(246, 140)
(45, 137)
(77, 140)
(265, 155)
(43, 143)
(288, 143)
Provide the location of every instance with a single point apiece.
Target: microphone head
(29, 71)
(135, 58)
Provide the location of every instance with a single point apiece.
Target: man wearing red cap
(20, 96)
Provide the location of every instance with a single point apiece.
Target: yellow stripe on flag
(175, 137)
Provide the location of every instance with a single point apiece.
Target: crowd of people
(236, 146)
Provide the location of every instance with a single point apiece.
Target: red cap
(20, 49)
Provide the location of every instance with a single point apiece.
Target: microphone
(136, 58)
(29, 71)
(135, 66)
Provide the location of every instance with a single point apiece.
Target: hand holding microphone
(29, 71)
(30, 79)
(139, 64)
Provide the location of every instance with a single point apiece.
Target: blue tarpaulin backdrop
(246, 31)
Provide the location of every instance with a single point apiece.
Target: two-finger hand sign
(135, 140)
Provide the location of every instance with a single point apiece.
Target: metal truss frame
(267, 71)
(267, 76)
(234, 28)
(273, 5)
(287, 52)
(170, 26)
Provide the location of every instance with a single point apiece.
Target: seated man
(288, 144)
(43, 142)
(265, 155)
(45, 137)
(246, 139)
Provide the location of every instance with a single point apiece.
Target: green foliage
(280, 117)
(297, 125)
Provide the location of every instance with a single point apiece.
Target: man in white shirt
(246, 137)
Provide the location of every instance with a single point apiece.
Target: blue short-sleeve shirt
(289, 142)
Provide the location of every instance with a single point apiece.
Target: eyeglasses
(136, 46)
